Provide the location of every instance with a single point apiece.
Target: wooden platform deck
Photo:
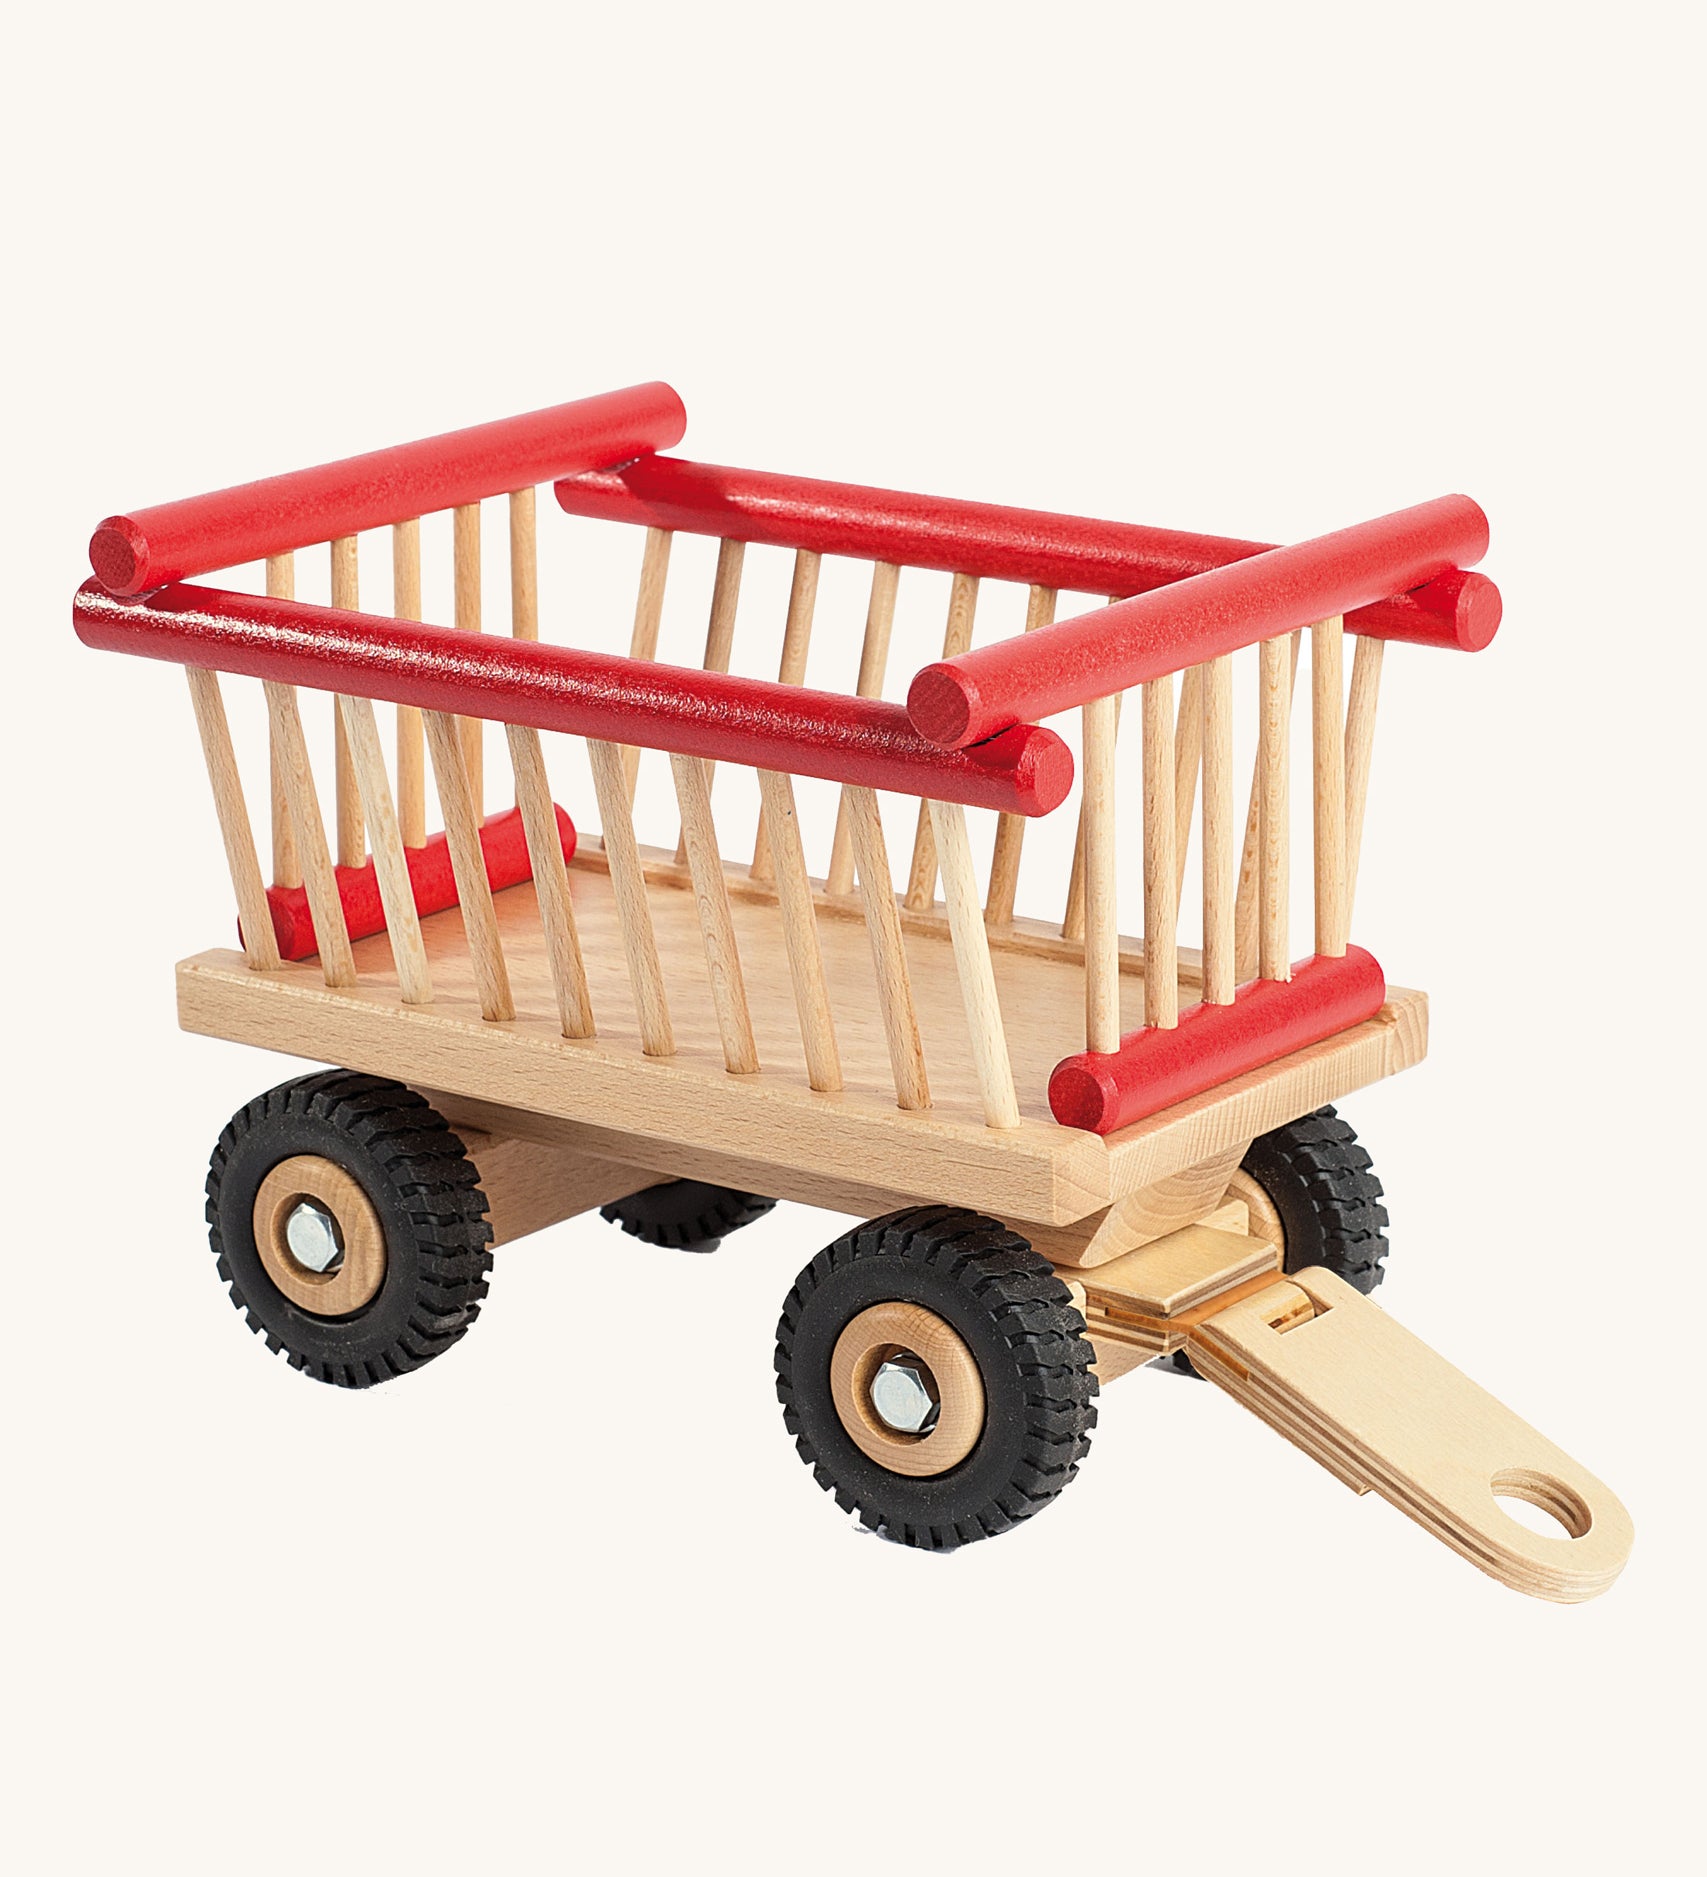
(854, 1150)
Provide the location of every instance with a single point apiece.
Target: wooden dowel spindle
(972, 962)
(287, 869)
(1161, 879)
(791, 669)
(468, 864)
(1245, 906)
(1219, 978)
(720, 635)
(648, 617)
(411, 751)
(1327, 738)
(396, 894)
(290, 761)
(1188, 757)
(260, 946)
(465, 551)
(1073, 913)
(888, 952)
(716, 921)
(550, 881)
(352, 846)
(1274, 851)
(800, 933)
(1102, 930)
(1010, 829)
(1359, 753)
(873, 662)
(956, 638)
(524, 566)
(628, 885)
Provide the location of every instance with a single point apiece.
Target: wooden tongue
(1381, 1411)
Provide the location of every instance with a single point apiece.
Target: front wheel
(936, 1376)
(348, 1226)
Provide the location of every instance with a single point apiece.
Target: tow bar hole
(1541, 1503)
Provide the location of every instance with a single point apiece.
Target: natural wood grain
(791, 669)
(468, 864)
(1178, 1271)
(888, 951)
(524, 566)
(530, 1185)
(287, 869)
(1161, 878)
(1340, 1378)
(648, 617)
(972, 960)
(720, 635)
(711, 896)
(1195, 1195)
(634, 914)
(1327, 742)
(873, 661)
(551, 881)
(1359, 753)
(259, 943)
(1073, 914)
(1010, 829)
(411, 750)
(686, 1116)
(800, 933)
(465, 555)
(854, 1361)
(290, 764)
(391, 870)
(1246, 904)
(1102, 931)
(355, 1281)
(1219, 950)
(956, 638)
(1188, 758)
(1274, 821)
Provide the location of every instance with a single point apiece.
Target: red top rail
(862, 741)
(152, 546)
(1454, 609)
(960, 701)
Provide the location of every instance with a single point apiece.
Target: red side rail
(1074, 555)
(151, 546)
(963, 700)
(862, 741)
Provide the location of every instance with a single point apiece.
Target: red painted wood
(1019, 680)
(556, 687)
(1213, 1043)
(150, 546)
(1076, 555)
(503, 844)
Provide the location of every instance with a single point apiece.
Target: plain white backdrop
(567, 1599)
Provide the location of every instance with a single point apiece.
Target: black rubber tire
(1323, 1185)
(424, 1188)
(1029, 1341)
(685, 1215)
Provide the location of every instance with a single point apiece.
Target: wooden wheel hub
(883, 1333)
(355, 1278)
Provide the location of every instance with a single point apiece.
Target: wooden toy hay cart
(1076, 1153)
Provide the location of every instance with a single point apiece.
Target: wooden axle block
(529, 1186)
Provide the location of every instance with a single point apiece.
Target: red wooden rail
(1212, 1043)
(1074, 555)
(862, 741)
(151, 546)
(963, 700)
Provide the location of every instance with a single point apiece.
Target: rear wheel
(348, 1226)
(685, 1215)
(1310, 1189)
(936, 1377)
